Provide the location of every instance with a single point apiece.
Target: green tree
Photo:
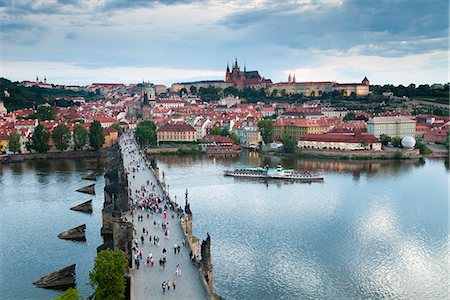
(39, 141)
(146, 133)
(398, 155)
(224, 132)
(14, 142)
(69, 294)
(61, 137)
(216, 130)
(44, 113)
(266, 129)
(235, 137)
(96, 135)
(422, 147)
(231, 90)
(385, 140)
(349, 116)
(107, 277)
(289, 144)
(79, 136)
(396, 141)
(117, 127)
(193, 90)
(182, 92)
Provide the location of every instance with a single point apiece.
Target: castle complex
(242, 79)
(234, 77)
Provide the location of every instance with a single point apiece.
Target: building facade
(398, 126)
(339, 142)
(177, 132)
(296, 128)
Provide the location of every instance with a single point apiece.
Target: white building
(398, 126)
(3, 110)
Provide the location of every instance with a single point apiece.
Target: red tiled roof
(340, 138)
(177, 127)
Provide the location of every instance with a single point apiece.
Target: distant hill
(23, 97)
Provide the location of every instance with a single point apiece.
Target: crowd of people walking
(155, 214)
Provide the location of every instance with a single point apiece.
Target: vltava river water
(35, 198)
(372, 230)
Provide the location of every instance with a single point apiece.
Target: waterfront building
(296, 128)
(339, 142)
(176, 132)
(397, 126)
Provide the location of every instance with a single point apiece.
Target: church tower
(293, 78)
(289, 78)
(227, 74)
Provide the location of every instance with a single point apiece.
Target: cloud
(346, 25)
(271, 36)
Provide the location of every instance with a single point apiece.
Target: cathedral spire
(289, 78)
(293, 78)
(245, 68)
(236, 63)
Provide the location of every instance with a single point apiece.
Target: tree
(224, 132)
(107, 277)
(182, 92)
(44, 113)
(266, 129)
(61, 137)
(385, 140)
(231, 90)
(289, 144)
(398, 155)
(193, 90)
(146, 133)
(349, 116)
(117, 127)
(216, 130)
(39, 141)
(396, 141)
(14, 142)
(69, 294)
(96, 135)
(79, 136)
(235, 137)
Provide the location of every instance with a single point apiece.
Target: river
(375, 230)
(35, 199)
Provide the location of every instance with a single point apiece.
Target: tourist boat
(277, 173)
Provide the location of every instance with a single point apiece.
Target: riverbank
(13, 158)
(348, 155)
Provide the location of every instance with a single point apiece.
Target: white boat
(277, 173)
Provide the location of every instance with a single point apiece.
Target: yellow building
(296, 128)
(177, 132)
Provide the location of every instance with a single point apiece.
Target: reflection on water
(35, 197)
(371, 230)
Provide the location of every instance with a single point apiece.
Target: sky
(167, 41)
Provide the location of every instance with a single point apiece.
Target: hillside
(23, 97)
